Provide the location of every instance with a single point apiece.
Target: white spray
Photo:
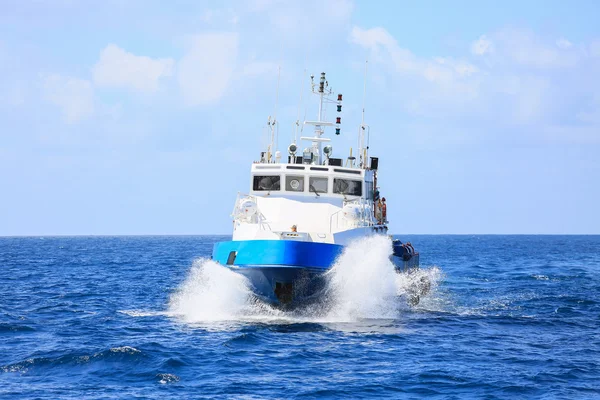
(362, 284)
(213, 293)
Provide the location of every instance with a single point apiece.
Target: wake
(362, 284)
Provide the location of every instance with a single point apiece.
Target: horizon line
(226, 234)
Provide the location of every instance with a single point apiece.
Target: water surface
(98, 317)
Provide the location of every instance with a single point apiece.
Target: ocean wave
(8, 327)
(142, 313)
(122, 353)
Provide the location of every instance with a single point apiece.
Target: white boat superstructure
(327, 204)
(326, 199)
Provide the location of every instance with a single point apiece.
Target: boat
(302, 210)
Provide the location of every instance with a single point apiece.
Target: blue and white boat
(299, 213)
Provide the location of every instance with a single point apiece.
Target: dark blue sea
(151, 317)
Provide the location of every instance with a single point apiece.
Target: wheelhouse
(311, 180)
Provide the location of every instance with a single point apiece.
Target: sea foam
(363, 284)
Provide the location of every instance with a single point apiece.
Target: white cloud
(383, 45)
(74, 96)
(437, 87)
(120, 69)
(482, 46)
(510, 77)
(206, 69)
(440, 70)
(372, 38)
(563, 43)
(461, 68)
(524, 48)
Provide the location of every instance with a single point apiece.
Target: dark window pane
(262, 182)
(347, 186)
(318, 184)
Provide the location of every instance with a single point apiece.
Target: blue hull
(281, 271)
(284, 272)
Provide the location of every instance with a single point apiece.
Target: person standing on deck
(378, 211)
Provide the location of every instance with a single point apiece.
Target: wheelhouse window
(318, 185)
(266, 182)
(347, 186)
(294, 183)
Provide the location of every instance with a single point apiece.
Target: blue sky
(142, 117)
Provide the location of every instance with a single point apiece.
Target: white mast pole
(361, 131)
(275, 115)
(299, 105)
(323, 91)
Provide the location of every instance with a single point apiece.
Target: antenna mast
(272, 123)
(312, 155)
(299, 105)
(323, 90)
(363, 151)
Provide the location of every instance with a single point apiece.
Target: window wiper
(312, 188)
